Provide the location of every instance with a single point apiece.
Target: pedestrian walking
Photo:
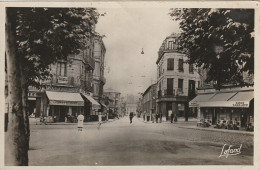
(160, 117)
(153, 115)
(156, 117)
(99, 120)
(131, 115)
(80, 122)
(175, 118)
(172, 116)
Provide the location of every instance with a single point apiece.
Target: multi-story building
(123, 107)
(149, 101)
(70, 89)
(98, 74)
(114, 96)
(176, 79)
(131, 104)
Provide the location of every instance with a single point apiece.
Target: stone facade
(177, 80)
(149, 101)
(98, 74)
(114, 106)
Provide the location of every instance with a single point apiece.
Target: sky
(127, 31)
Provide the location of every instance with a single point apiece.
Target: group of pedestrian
(157, 117)
(173, 118)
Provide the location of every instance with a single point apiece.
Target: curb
(218, 130)
(85, 123)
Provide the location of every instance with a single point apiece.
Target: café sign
(241, 104)
(66, 103)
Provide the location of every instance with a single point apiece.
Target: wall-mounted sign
(66, 103)
(241, 104)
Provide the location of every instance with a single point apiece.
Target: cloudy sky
(127, 31)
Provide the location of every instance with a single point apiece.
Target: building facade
(230, 103)
(70, 89)
(98, 74)
(131, 104)
(177, 80)
(114, 96)
(149, 102)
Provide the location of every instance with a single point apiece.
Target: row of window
(170, 83)
(170, 65)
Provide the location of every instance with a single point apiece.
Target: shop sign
(195, 104)
(67, 103)
(241, 104)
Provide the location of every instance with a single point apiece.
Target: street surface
(121, 143)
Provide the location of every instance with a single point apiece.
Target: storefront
(59, 105)
(226, 105)
(92, 107)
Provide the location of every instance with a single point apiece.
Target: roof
(223, 99)
(110, 90)
(64, 96)
(146, 91)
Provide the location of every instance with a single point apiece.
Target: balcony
(179, 92)
(90, 62)
(169, 92)
(62, 80)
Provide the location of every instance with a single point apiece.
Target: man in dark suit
(131, 115)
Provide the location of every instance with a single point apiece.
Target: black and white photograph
(129, 84)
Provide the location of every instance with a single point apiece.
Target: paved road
(122, 143)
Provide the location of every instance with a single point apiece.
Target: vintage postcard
(167, 85)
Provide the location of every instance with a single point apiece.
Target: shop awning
(218, 100)
(103, 105)
(200, 98)
(64, 98)
(95, 104)
(241, 99)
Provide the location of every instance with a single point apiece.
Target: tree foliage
(219, 40)
(35, 38)
(46, 34)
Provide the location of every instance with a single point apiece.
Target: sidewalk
(217, 130)
(64, 123)
(191, 124)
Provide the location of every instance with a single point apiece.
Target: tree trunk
(16, 146)
(25, 103)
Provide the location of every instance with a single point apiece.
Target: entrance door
(63, 112)
(243, 119)
(168, 107)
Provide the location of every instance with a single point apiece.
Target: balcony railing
(62, 80)
(179, 92)
(168, 92)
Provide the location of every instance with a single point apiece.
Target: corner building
(177, 80)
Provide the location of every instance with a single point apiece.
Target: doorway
(63, 112)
